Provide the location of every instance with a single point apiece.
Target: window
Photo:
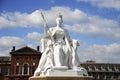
(89, 68)
(118, 68)
(86, 67)
(6, 71)
(96, 68)
(113, 68)
(33, 69)
(0, 70)
(25, 68)
(99, 67)
(105, 68)
(109, 68)
(17, 69)
(93, 68)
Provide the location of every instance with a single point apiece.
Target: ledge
(61, 78)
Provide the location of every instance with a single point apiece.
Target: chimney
(37, 48)
(13, 49)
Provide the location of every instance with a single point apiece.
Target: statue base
(61, 78)
(64, 71)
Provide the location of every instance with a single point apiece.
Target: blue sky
(95, 23)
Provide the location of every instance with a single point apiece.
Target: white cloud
(7, 42)
(34, 39)
(35, 36)
(81, 22)
(101, 53)
(97, 27)
(34, 19)
(115, 4)
(17, 19)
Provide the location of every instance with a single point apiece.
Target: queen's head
(59, 20)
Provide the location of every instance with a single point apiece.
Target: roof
(25, 50)
(98, 64)
(5, 58)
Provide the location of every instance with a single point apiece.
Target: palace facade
(23, 62)
(102, 71)
(20, 65)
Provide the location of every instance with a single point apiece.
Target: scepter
(46, 26)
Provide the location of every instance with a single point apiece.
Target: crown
(60, 15)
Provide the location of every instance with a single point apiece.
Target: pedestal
(61, 78)
(64, 71)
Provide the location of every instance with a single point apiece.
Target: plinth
(62, 73)
(61, 78)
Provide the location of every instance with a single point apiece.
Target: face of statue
(59, 21)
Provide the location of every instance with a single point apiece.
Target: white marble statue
(58, 50)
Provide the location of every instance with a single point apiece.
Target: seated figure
(58, 50)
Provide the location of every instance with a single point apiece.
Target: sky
(94, 23)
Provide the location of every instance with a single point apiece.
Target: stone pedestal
(61, 78)
(63, 71)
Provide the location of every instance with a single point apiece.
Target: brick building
(102, 71)
(22, 64)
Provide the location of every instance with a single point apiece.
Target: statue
(59, 50)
